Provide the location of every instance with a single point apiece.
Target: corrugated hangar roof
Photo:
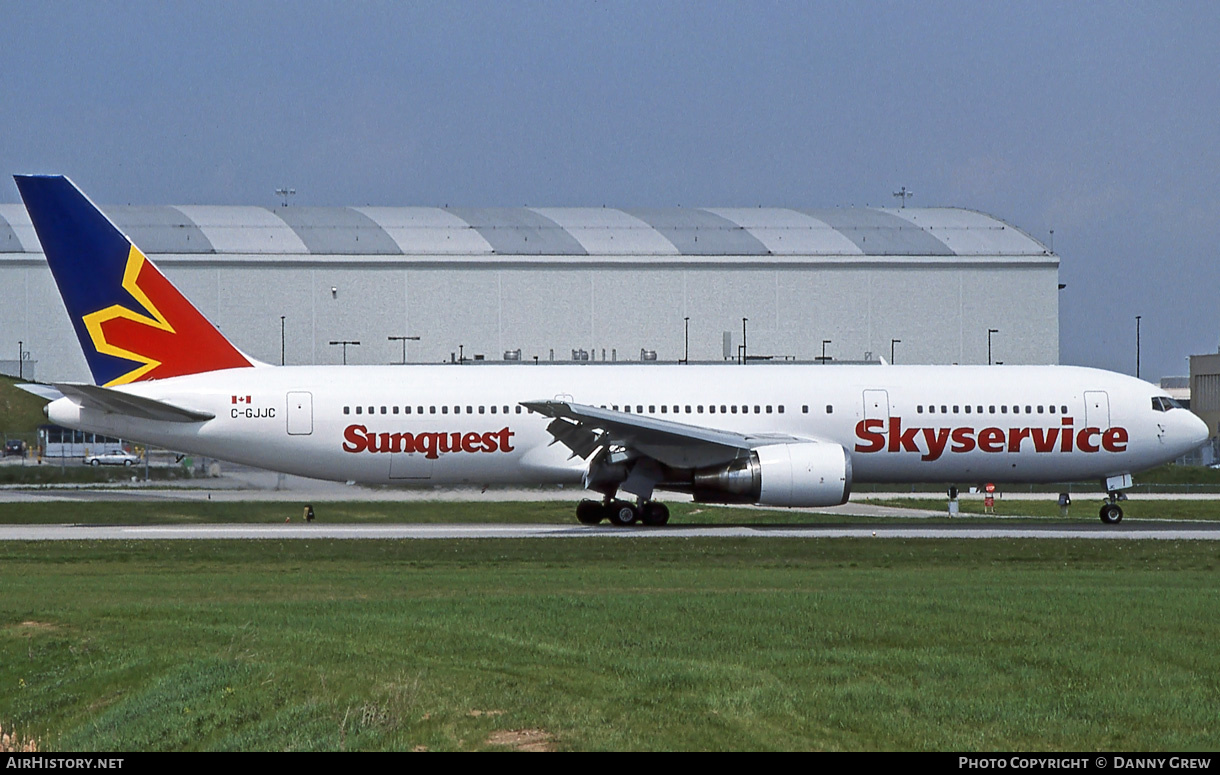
(544, 231)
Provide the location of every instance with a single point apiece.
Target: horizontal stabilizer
(46, 392)
(118, 402)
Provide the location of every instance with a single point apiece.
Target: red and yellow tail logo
(169, 339)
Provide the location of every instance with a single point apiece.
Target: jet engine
(800, 474)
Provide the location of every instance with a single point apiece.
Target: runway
(1144, 530)
(240, 484)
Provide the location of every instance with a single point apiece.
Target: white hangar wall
(804, 279)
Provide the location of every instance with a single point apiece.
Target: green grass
(20, 412)
(612, 644)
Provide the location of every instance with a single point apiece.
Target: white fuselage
(419, 425)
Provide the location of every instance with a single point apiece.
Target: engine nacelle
(802, 474)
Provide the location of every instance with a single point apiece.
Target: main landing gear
(621, 513)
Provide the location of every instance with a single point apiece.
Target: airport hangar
(930, 285)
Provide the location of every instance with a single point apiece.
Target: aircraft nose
(1199, 431)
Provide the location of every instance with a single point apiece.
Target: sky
(1098, 121)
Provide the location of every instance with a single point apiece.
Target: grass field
(611, 644)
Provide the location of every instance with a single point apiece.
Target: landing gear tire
(1111, 513)
(655, 514)
(589, 512)
(621, 513)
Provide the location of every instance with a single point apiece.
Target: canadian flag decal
(241, 399)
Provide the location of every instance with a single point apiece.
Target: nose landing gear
(1111, 512)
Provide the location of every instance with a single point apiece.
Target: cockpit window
(1164, 404)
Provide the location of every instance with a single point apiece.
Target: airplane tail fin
(132, 323)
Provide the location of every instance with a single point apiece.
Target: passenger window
(493, 408)
(1004, 409)
(406, 410)
(359, 410)
(639, 409)
(712, 409)
(444, 410)
(804, 408)
(1029, 410)
(781, 408)
(919, 409)
(830, 409)
(733, 408)
(347, 410)
(956, 410)
(518, 410)
(991, 410)
(652, 409)
(395, 409)
(383, 410)
(470, 410)
(967, 408)
(699, 409)
(768, 409)
(722, 409)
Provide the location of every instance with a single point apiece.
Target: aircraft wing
(583, 429)
(118, 402)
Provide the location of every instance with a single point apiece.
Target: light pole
(823, 358)
(282, 340)
(686, 339)
(345, 343)
(20, 360)
(1137, 345)
(990, 331)
(404, 340)
(892, 343)
(743, 340)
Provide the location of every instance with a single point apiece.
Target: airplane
(788, 435)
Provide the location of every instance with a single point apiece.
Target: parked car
(115, 457)
(14, 447)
